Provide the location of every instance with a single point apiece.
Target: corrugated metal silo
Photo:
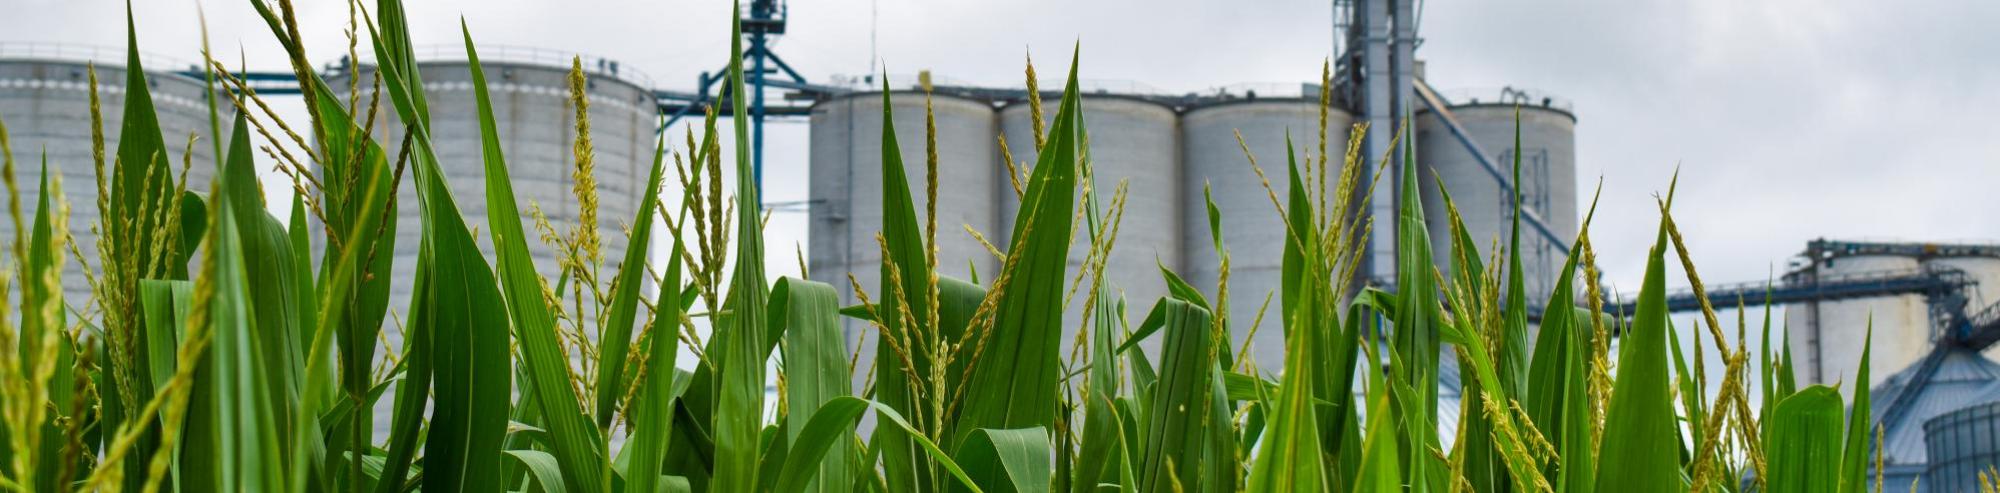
(1548, 183)
(537, 129)
(1133, 140)
(1961, 379)
(1827, 337)
(1962, 445)
(46, 103)
(846, 186)
(1254, 230)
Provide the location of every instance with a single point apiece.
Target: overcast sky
(1789, 119)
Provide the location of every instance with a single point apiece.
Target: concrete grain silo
(1131, 140)
(1254, 231)
(537, 129)
(45, 101)
(846, 187)
(1826, 336)
(1548, 184)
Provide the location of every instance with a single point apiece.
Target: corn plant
(217, 354)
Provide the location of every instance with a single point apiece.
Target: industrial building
(45, 101)
(1167, 149)
(1934, 313)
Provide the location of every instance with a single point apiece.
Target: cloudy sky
(1788, 119)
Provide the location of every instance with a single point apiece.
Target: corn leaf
(815, 369)
(543, 467)
(1007, 460)
(1289, 456)
(617, 338)
(250, 439)
(578, 445)
(838, 416)
(1803, 442)
(903, 466)
(1557, 394)
(1854, 466)
(743, 345)
(1415, 338)
(1019, 375)
(1640, 438)
(1183, 404)
(653, 419)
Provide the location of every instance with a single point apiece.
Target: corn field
(226, 349)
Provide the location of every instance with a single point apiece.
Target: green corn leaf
(815, 369)
(691, 454)
(1289, 456)
(406, 420)
(1101, 422)
(743, 346)
(1854, 466)
(653, 418)
(903, 466)
(357, 208)
(267, 257)
(1415, 338)
(837, 417)
(830, 426)
(1640, 439)
(1802, 442)
(1019, 375)
(1558, 399)
(1007, 460)
(617, 339)
(578, 445)
(543, 467)
(1183, 405)
(164, 304)
(1689, 392)
(250, 438)
(1512, 355)
(42, 316)
(1381, 468)
(140, 181)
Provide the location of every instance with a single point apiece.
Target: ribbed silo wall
(846, 188)
(1548, 185)
(1253, 230)
(46, 104)
(1133, 141)
(1827, 337)
(1962, 445)
(536, 123)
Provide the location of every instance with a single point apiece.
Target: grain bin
(1548, 183)
(1827, 337)
(45, 99)
(1131, 140)
(846, 186)
(1254, 229)
(537, 129)
(1961, 445)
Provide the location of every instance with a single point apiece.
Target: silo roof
(1963, 378)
